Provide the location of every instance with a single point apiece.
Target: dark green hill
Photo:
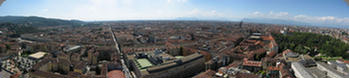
(38, 21)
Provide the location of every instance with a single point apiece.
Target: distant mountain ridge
(41, 21)
(37, 21)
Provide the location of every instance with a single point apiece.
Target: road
(121, 57)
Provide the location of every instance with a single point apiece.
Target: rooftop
(298, 67)
(38, 55)
(247, 62)
(143, 63)
(207, 74)
(116, 74)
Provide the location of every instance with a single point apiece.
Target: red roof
(258, 42)
(234, 64)
(271, 54)
(345, 61)
(269, 37)
(116, 74)
(251, 41)
(251, 63)
(260, 51)
(272, 68)
(246, 75)
(206, 74)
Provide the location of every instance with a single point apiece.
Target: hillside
(37, 21)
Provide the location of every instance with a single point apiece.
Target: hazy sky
(325, 11)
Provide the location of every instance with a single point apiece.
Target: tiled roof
(246, 62)
(206, 74)
(272, 68)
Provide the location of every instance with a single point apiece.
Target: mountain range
(41, 21)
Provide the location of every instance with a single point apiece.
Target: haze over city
(174, 39)
(309, 11)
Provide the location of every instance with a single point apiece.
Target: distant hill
(37, 21)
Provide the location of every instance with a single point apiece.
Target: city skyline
(311, 11)
(174, 39)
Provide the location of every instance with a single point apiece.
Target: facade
(92, 57)
(48, 65)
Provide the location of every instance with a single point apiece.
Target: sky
(310, 11)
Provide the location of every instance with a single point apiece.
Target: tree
(302, 42)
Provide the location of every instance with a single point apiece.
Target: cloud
(210, 14)
(271, 14)
(96, 9)
(44, 10)
(128, 9)
(169, 1)
(141, 10)
(322, 19)
(302, 18)
(204, 13)
(91, 10)
(257, 13)
(281, 14)
(327, 18)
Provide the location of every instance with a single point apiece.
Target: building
(50, 65)
(300, 71)
(253, 66)
(38, 55)
(206, 74)
(92, 57)
(290, 56)
(165, 66)
(73, 49)
(69, 65)
(116, 74)
(331, 72)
